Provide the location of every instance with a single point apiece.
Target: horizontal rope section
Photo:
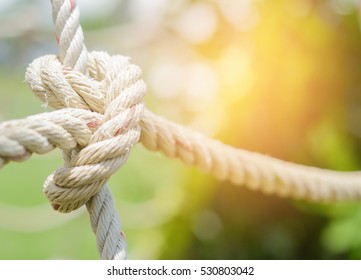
(41, 133)
(245, 168)
(240, 167)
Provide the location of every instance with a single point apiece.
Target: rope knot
(114, 89)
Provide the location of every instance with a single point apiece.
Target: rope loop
(114, 89)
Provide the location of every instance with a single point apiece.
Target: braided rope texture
(115, 90)
(69, 35)
(117, 94)
(245, 168)
(64, 129)
(100, 116)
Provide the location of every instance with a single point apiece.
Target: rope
(69, 35)
(245, 168)
(118, 97)
(104, 220)
(101, 117)
(41, 133)
(67, 128)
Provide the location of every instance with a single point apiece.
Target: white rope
(245, 168)
(69, 35)
(119, 95)
(73, 56)
(41, 133)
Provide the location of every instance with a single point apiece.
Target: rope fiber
(100, 116)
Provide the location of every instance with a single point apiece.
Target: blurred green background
(279, 77)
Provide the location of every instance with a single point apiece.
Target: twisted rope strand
(41, 133)
(245, 168)
(69, 35)
(68, 128)
(101, 207)
(74, 57)
(87, 170)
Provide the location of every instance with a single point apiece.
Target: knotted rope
(101, 117)
(99, 83)
(113, 89)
